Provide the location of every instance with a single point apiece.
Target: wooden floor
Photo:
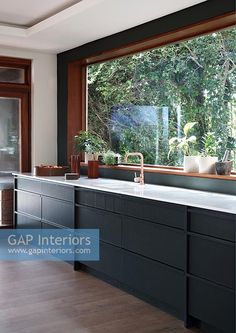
(49, 297)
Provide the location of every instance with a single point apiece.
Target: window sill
(166, 171)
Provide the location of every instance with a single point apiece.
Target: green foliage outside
(195, 81)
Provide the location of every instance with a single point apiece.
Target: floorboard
(38, 297)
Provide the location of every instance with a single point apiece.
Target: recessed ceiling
(29, 12)
(82, 22)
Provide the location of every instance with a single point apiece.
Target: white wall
(44, 104)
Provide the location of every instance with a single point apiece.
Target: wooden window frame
(22, 91)
(77, 71)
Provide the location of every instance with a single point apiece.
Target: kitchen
(120, 129)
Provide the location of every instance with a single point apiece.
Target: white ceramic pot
(207, 164)
(191, 164)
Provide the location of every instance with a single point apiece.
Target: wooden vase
(75, 164)
(93, 169)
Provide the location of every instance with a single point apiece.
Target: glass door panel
(12, 75)
(10, 134)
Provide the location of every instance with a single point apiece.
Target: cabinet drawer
(213, 260)
(28, 185)
(58, 191)
(28, 203)
(58, 212)
(155, 241)
(108, 223)
(26, 222)
(167, 214)
(156, 281)
(50, 226)
(110, 263)
(212, 305)
(214, 224)
(101, 200)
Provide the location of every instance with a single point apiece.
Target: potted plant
(208, 157)
(92, 146)
(186, 144)
(110, 158)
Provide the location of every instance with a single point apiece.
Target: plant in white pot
(186, 145)
(208, 157)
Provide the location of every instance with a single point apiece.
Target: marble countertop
(194, 198)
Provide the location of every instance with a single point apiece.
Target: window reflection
(9, 134)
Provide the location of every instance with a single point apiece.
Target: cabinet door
(28, 185)
(212, 304)
(156, 281)
(155, 241)
(27, 222)
(58, 191)
(46, 226)
(158, 212)
(28, 203)
(110, 263)
(58, 212)
(99, 199)
(212, 259)
(108, 223)
(215, 224)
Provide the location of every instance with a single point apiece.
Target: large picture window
(140, 102)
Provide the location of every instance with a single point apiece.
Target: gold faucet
(141, 178)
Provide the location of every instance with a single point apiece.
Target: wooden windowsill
(166, 171)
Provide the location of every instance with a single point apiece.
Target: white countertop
(200, 199)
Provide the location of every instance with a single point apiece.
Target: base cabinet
(181, 258)
(211, 269)
(156, 281)
(110, 263)
(212, 259)
(212, 305)
(27, 222)
(154, 241)
(28, 203)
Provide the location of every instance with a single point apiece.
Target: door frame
(23, 92)
(25, 128)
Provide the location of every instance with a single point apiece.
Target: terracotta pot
(191, 164)
(93, 170)
(207, 164)
(75, 164)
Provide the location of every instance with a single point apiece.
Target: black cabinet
(211, 269)
(99, 199)
(26, 222)
(58, 212)
(155, 280)
(57, 191)
(108, 223)
(134, 251)
(215, 224)
(212, 305)
(28, 184)
(212, 259)
(181, 258)
(37, 201)
(154, 211)
(110, 263)
(28, 203)
(155, 241)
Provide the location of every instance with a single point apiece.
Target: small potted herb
(208, 157)
(110, 158)
(186, 144)
(92, 146)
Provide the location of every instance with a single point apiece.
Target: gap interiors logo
(49, 244)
